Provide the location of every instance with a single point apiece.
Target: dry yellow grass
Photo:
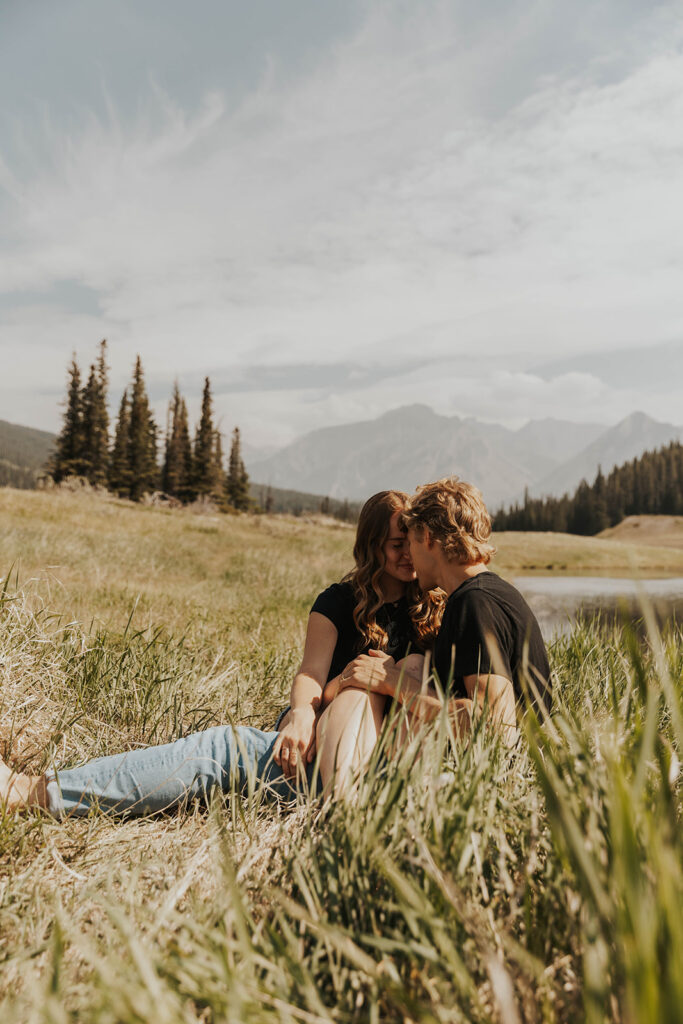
(233, 594)
(97, 555)
(171, 919)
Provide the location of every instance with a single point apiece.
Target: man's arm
(382, 675)
(497, 694)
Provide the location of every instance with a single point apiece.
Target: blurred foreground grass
(543, 884)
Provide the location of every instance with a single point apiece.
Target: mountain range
(413, 444)
(409, 446)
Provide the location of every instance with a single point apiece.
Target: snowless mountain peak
(411, 445)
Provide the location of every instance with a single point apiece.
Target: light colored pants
(159, 778)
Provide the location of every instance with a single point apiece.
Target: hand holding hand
(368, 672)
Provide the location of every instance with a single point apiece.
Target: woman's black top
(337, 604)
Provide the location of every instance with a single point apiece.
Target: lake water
(556, 600)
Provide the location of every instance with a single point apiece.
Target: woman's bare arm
(296, 741)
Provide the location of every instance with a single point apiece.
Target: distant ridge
(23, 453)
(25, 446)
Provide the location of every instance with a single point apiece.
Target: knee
(413, 664)
(351, 713)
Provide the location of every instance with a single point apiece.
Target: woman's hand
(371, 671)
(296, 742)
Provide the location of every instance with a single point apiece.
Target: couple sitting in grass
(421, 584)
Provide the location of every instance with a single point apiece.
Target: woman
(377, 606)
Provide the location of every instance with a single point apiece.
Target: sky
(334, 209)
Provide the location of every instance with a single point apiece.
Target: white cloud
(428, 189)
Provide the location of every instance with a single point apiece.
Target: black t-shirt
(337, 604)
(486, 629)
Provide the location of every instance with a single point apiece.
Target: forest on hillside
(649, 485)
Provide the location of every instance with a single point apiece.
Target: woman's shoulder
(335, 601)
(342, 590)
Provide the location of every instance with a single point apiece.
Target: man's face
(422, 557)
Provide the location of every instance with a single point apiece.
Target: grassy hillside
(656, 531)
(540, 884)
(573, 555)
(23, 453)
(25, 446)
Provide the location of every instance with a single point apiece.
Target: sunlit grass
(471, 884)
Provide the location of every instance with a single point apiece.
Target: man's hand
(296, 742)
(369, 672)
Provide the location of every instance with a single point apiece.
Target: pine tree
(671, 481)
(88, 402)
(186, 491)
(142, 447)
(99, 439)
(218, 473)
(168, 466)
(119, 462)
(67, 457)
(237, 482)
(95, 451)
(204, 447)
(176, 474)
(600, 517)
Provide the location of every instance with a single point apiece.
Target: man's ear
(427, 537)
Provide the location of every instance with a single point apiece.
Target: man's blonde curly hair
(455, 514)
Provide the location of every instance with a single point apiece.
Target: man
(489, 649)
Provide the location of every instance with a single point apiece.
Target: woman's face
(397, 563)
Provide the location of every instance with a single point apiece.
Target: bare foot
(19, 791)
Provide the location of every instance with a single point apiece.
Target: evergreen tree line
(190, 469)
(649, 485)
(299, 503)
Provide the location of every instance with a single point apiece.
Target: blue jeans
(159, 778)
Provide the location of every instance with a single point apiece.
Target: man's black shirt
(489, 629)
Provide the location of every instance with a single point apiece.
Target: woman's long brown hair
(425, 609)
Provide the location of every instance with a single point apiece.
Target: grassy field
(542, 884)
